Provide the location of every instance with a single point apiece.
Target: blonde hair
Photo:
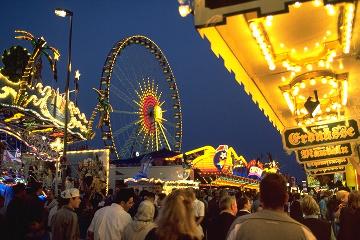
(309, 206)
(341, 195)
(177, 217)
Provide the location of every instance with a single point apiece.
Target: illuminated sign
(324, 152)
(329, 170)
(326, 164)
(255, 168)
(322, 134)
(255, 171)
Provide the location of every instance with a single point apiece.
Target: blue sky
(216, 110)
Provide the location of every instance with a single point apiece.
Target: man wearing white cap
(64, 225)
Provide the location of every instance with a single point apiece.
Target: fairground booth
(159, 171)
(299, 62)
(222, 167)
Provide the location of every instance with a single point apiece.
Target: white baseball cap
(70, 193)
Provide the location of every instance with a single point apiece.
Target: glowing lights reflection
(262, 40)
(344, 92)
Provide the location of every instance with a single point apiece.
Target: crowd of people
(184, 214)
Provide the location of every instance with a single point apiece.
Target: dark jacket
(242, 213)
(295, 211)
(320, 228)
(349, 224)
(64, 225)
(220, 226)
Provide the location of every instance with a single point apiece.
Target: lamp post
(66, 13)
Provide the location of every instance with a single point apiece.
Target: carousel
(33, 113)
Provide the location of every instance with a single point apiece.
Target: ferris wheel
(138, 100)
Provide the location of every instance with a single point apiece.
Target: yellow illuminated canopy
(283, 51)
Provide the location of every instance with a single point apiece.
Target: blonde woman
(320, 228)
(176, 220)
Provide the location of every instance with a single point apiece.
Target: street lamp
(66, 13)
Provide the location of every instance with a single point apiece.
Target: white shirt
(109, 222)
(199, 208)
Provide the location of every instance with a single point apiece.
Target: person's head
(161, 199)
(228, 203)
(71, 197)
(296, 196)
(273, 193)
(354, 200)
(50, 195)
(19, 190)
(309, 206)
(125, 198)
(244, 203)
(145, 212)
(342, 196)
(35, 188)
(190, 192)
(177, 217)
(150, 196)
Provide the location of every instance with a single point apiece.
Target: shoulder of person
(151, 234)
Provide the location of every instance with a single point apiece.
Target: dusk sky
(216, 110)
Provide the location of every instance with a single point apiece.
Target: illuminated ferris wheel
(138, 100)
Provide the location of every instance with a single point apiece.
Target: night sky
(216, 110)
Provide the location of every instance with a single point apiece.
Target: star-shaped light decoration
(77, 75)
(223, 155)
(56, 56)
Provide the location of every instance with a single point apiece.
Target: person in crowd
(85, 214)
(199, 208)
(150, 196)
(64, 225)
(176, 219)
(320, 228)
(109, 222)
(340, 203)
(109, 197)
(323, 205)
(160, 200)
(350, 218)
(272, 222)
(51, 207)
(256, 206)
(228, 210)
(142, 223)
(34, 215)
(244, 206)
(295, 208)
(213, 206)
(342, 197)
(137, 200)
(14, 214)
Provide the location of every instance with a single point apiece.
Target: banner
(325, 164)
(324, 171)
(324, 153)
(322, 134)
